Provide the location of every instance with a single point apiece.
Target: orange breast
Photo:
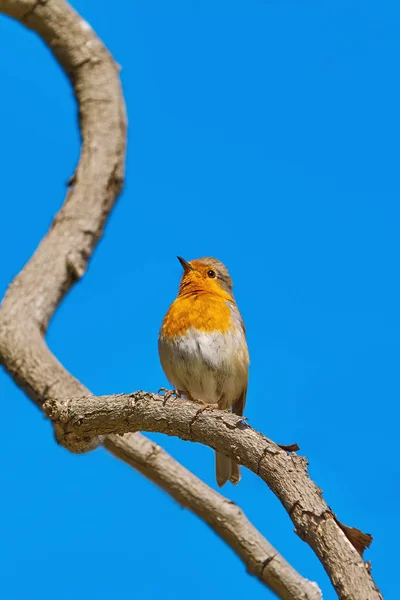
(203, 312)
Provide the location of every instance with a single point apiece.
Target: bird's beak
(185, 264)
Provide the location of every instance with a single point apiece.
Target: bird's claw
(207, 405)
(168, 394)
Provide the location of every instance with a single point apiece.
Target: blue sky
(265, 134)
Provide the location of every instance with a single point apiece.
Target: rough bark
(61, 260)
(221, 514)
(338, 547)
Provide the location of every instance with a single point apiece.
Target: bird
(203, 348)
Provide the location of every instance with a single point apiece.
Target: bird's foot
(169, 394)
(207, 405)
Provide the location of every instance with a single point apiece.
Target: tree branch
(61, 259)
(338, 547)
(221, 514)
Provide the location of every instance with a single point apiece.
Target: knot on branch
(58, 412)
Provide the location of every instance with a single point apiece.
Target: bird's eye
(211, 273)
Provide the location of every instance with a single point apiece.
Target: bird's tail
(226, 470)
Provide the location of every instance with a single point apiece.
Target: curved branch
(62, 257)
(221, 514)
(61, 260)
(338, 547)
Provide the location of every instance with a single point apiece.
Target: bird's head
(205, 275)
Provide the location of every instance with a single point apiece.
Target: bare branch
(61, 259)
(338, 547)
(225, 517)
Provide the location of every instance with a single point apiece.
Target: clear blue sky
(265, 133)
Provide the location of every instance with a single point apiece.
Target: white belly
(208, 366)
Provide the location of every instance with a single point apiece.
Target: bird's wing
(240, 403)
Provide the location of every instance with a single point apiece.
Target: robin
(202, 346)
